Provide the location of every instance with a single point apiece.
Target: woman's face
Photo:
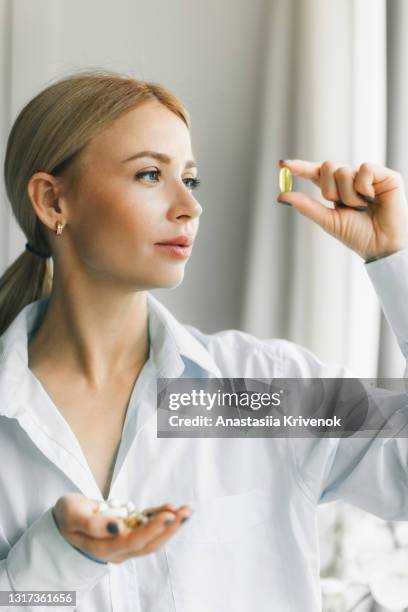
(120, 208)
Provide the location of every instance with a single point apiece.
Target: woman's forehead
(143, 130)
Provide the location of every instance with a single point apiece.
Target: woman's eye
(147, 172)
(190, 182)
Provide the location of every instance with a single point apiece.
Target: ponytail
(28, 279)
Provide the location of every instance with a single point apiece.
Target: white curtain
(334, 88)
(324, 97)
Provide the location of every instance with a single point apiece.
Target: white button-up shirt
(252, 541)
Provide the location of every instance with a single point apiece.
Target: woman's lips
(174, 250)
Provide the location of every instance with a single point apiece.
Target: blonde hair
(48, 136)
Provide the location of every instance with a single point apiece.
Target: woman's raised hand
(78, 521)
(377, 232)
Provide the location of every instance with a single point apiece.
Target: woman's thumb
(308, 207)
(101, 526)
(80, 515)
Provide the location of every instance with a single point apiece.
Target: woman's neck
(95, 338)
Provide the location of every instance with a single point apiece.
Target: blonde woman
(100, 174)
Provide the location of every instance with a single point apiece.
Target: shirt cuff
(88, 556)
(42, 559)
(389, 276)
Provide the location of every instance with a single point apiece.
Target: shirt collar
(168, 332)
(171, 343)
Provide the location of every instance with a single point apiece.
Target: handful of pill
(126, 511)
(285, 180)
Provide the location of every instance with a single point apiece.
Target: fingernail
(341, 204)
(283, 202)
(112, 528)
(367, 198)
(169, 522)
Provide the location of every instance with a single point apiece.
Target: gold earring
(58, 231)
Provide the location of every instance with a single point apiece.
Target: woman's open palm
(78, 521)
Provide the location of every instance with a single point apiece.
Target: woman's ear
(44, 192)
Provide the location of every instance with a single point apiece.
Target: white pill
(119, 512)
(133, 517)
(143, 518)
(114, 503)
(130, 506)
(103, 506)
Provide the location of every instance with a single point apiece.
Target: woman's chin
(169, 280)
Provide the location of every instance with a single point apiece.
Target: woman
(100, 174)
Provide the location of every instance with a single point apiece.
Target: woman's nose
(184, 203)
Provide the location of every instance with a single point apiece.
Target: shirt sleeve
(368, 472)
(42, 559)
(389, 275)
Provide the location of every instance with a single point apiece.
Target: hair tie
(30, 248)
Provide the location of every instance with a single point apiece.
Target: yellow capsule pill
(285, 180)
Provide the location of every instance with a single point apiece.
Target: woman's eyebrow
(160, 156)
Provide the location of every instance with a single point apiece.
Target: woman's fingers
(305, 169)
(75, 513)
(313, 209)
(155, 510)
(132, 543)
(379, 191)
(153, 535)
(335, 180)
(138, 538)
(328, 183)
(79, 522)
(380, 183)
(128, 542)
(101, 526)
(158, 539)
(344, 177)
(337, 184)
